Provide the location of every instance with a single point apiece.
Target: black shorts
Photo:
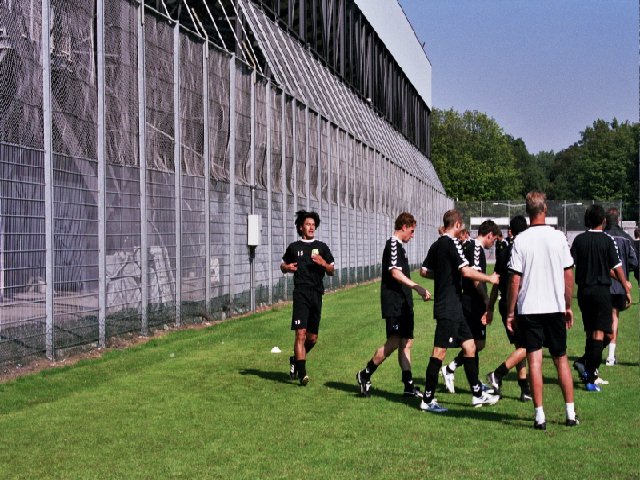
(451, 332)
(474, 320)
(595, 305)
(401, 326)
(619, 301)
(544, 330)
(307, 308)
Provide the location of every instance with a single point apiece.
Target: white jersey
(540, 255)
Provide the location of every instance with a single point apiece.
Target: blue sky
(543, 69)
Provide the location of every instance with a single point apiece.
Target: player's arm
(472, 274)
(512, 299)
(401, 278)
(288, 265)
(329, 267)
(618, 274)
(487, 318)
(568, 295)
(424, 272)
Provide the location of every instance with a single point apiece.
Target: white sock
(612, 350)
(540, 418)
(571, 412)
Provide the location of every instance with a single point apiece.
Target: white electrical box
(254, 228)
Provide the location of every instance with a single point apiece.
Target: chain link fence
(130, 158)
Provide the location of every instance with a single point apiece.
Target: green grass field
(215, 403)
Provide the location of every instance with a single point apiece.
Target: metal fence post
(269, 190)
(294, 139)
(142, 154)
(47, 117)
(177, 165)
(232, 176)
(252, 187)
(102, 240)
(207, 177)
(283, 180)
(307, 176)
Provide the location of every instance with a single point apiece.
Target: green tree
(473, 156)
(531, 168)
(602, 165)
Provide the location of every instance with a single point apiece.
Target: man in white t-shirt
(542, 287)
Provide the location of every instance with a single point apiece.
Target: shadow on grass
(280, 377)
(459, 406)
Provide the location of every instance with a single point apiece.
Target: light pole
(564, 212)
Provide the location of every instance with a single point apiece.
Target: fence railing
(130, 158)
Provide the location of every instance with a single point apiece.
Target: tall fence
(566, 215)
(130, 158)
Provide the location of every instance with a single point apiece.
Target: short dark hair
(450, 217)
(302, 215)
(612, 216)
(405, 218)
(487, 227)
(594, 216)
(517, 225)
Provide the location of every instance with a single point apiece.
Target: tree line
(476, 160)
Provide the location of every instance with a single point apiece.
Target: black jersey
(472, 300)
(594, 254)
(393, 294)
(445, 259)
(502, 268)
(309, 274)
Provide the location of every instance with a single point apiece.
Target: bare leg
(535, 376)
(298, 346)
(564, 378)
(518, 356)
(385, 350)
(404, 353)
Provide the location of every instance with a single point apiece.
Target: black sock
(524, 386)
(301, 366)
(431, 378)
(471, 371)
(459, 360)
(501, 371)
(308, 345)
(407, 378)
(588, 346)
(594, 359)
(370, 368)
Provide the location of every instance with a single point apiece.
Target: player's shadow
(458, 407)
(354, 389)
(280, 377)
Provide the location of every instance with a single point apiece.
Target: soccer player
(595, 256)
(619, 299)
(517, 358)
(447, 265)
(474, 297)
(541, 284)
(309, 260)
(397, 307)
